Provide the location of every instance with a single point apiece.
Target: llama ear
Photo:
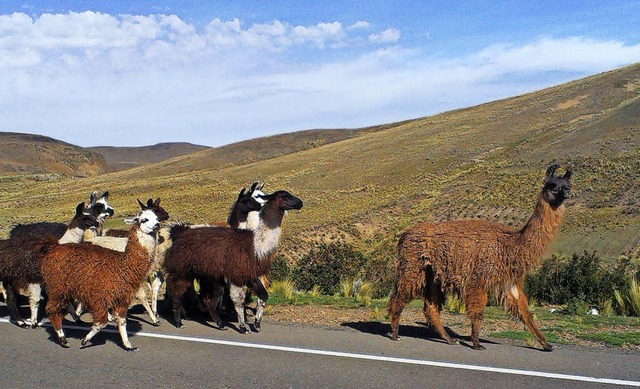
(550, 171)
(141, 205)
(80, 209)
(253, 186)
(568, 173)
(149, 203)
(156, 203)
(261, 186)
(105, 195)
(93, 197)
(241, 194)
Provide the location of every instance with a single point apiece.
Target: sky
(134, 73)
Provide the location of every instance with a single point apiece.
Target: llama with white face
(101, 279)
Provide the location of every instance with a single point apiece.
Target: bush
(280, 269)
(581, 279)
(325, 265)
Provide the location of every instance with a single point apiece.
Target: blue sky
(128, 73)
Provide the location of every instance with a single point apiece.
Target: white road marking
(530, 373)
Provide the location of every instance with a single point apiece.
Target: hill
(121, 158)
(27, 153)
(486, 161)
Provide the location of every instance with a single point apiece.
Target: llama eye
(144, 220)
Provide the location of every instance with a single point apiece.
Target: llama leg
(476, 301)
(3, 292)
(95, 328)
(519, 306)
(259, 288)
(54, 312)
(141, 295)
(121, 320)
(12, 305)
(396, 305)
(155, 291)
(35, 294)
(237, 295)
(75, 312)
(433, 300)
(176, 289)
(211, 293)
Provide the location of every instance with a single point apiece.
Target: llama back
(458, 251)
(41, 230)
(20, 259)
(211, 246)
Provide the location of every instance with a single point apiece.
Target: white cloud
(390, 35)
(360, 24)
(98, 79)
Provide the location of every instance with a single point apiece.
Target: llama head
(99, 206)
(556, 189)
(83, 219)
(283, 200)
(156, 208)
(147, 220)
(247, 202)
(256, 192)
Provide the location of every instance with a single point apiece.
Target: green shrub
(629, 299)
(325, 265)
(280, 269)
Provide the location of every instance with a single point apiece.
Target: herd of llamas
(83, 267)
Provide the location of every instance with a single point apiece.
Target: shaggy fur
(20, 263)
(154, 278)
(99, 278)
(473, 258)
(216, 254)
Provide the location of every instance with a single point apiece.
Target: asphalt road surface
(359, 355)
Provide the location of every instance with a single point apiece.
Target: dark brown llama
(215, 255)
(99, 278)
(473, 257)
(20, 263)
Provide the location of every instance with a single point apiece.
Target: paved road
(281, 356)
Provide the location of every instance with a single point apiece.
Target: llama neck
(237, 219)
(538, 233)
(253, 218)
(72, 235)
(266, 234)
(138, 253)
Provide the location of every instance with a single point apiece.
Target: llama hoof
(22, 324)
(63, 342)
(84, 343)
(156, 323)
(256, 326)
(394, 337)
(245, 330)
(134, 349)
(478, 347)
(547, 348)
(34, 326)
(452, 341)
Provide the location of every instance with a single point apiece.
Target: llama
(20, 258)
(98, 206)
(474, 257)
(153, 280)
(247, 217)
(216, 254)
(101, 279)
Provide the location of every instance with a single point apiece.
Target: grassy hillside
(27, 153)
(486, 162)
(121, 158)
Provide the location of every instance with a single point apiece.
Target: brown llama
(99, 278)
(474, 257)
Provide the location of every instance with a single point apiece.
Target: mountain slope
(27, 153)
(484, 162)
(121, 158)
